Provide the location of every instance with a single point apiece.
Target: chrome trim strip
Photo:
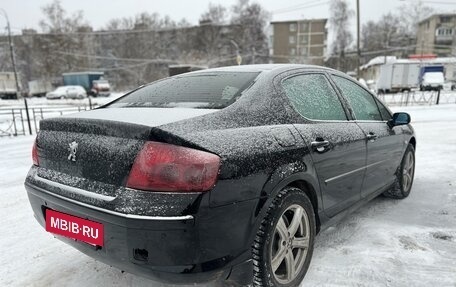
(124, 215)
(75, 189)
(352, 171)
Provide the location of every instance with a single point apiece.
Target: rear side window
(313, 97)
(215, 90)
(361, 101)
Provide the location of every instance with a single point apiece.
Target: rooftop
(380, 60)
(300, 20)
(436, 15)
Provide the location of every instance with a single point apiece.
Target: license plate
(88, 231)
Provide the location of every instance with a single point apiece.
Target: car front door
(384, 144)
(338, 146)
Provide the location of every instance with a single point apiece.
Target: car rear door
(384, 144)
(338, 146)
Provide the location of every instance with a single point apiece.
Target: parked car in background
(432, 78)
(67, 92)
(101, 88)
(93, 82)
(224, 174)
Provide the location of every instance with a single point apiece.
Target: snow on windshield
(202, 90)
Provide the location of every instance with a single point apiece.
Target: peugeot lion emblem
(73, 149)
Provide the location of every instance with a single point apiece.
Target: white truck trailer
(398, 77)
(39, 88)
(8, 88)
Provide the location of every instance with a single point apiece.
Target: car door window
(313, 97)
(386, 115)
(361, 101)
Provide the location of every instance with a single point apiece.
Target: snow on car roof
(69, 87)
(258, 68)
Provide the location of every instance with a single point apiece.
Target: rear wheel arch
(303, 181)
(413, 142)
(311, 193)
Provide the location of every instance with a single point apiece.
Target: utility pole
(422, 49)
(238, 55)
(13, 61)
(358, 51)
(253, 55)
(13, 58)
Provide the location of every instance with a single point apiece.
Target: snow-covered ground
(40, 108)
(410, 242)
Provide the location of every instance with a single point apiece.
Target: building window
(303, 51)
(292, 27)
(444, 32)
(291, 39)
(292, 51)
(303, 39)
(445, 19)
(304, 27)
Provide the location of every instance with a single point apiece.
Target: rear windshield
(214, 90)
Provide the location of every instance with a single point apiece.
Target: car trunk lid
(99, 145)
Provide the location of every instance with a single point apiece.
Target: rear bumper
(166, 249)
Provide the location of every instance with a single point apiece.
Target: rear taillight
(166, 167)
(35, 154)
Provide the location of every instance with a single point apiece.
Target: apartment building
(298, 41)
(437, 35)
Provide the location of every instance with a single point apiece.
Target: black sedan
(223, 175)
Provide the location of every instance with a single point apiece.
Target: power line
(156, 60)
(301, 7)
(295, 6)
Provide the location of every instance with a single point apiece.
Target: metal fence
(414, 98)
(13, 121)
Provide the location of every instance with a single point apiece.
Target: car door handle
(371, 137)
(320, 145)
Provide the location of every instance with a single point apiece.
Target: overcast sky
(27, 13)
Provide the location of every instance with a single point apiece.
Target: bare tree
(251, 20)
(340, 24)
(412, 13)
(57, 20)
(386, 33)
(215, 14)
(394, 33)
(62, 41)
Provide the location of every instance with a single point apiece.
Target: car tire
(280, 244)
(404, 176)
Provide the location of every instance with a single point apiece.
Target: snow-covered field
(411, 242)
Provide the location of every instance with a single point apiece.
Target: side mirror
(399, 119)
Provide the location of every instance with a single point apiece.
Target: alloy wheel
(408, 171)
(290, 244)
